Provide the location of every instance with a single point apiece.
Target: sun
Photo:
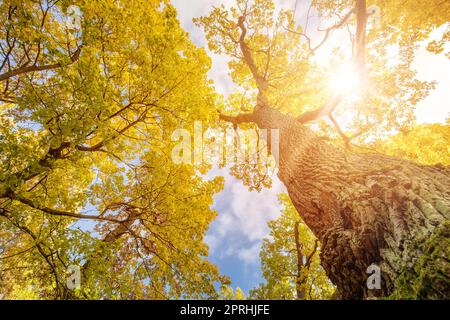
(345, 80)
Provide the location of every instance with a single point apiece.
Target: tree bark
(299, 281)
(367, 209)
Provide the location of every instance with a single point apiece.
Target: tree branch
(348, 139)
(359, 60)
(339, 130)
(260, 80)
(27, 69)
(361, 25)
(328, 32)
(241, 118)
(55, 212)
(326, 109)
(311, 255)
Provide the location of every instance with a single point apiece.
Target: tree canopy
(86, 122)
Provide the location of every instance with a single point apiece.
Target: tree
(426, 144)
(227, 293)
(364, 207)
(86, 116)
(290, 261)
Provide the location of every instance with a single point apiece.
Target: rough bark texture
(366, 209)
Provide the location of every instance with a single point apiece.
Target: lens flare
(345, 80)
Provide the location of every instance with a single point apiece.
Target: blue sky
(236, 235)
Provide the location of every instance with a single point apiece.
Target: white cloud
(242, 220)
(212, 241)
(188, 10)
(250, 255)
(432, 67)
(252, 210)
(219, 73)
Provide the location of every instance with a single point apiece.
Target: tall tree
(364, 207)
(86, 177)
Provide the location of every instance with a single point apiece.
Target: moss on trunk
(429, 277)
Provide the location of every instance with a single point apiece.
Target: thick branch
(326, 109)
(33, 68)
(260, 80)
(241, 118)
(361, 25)
(55, 212)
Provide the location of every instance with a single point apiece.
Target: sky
(235, 236)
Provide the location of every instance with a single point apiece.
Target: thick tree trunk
(368, 209)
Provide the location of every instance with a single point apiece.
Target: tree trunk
(368, 209)
(300, 279)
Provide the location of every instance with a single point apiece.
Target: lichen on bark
(429, 277)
